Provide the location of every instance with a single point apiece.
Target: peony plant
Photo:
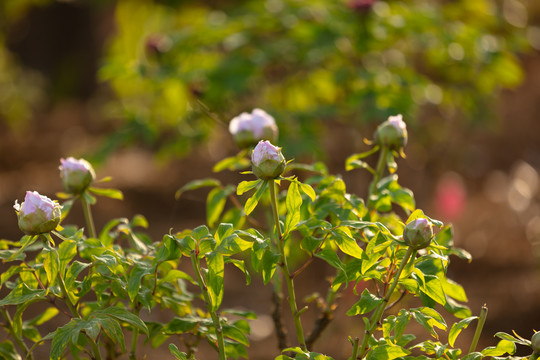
(109, 284)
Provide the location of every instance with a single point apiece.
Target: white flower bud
(267, 161)
(248, 129)
(77, 175)
(37, 214)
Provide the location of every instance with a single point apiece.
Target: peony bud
(418, 233)
(535, 343)
(37, 214)
(392, 133)
(248, 129)
(267, 161)
(77, 175)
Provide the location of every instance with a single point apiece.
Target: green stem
(208, 300)
(379, 172)
(88, 217)
(75, 314)
(355, 348)
(285, 268)
(479, 327)
(379, 311)
(18, 340)
(133, 351)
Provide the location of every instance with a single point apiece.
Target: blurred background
(145, 90)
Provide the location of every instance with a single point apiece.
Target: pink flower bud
(392, 133)
(267, 161)
(248, 129)
(37, 214)
(418, 233)
(77, 175)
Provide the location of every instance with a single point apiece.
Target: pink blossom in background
(450, 197)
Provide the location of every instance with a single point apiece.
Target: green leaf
(197, 184)
(67, 250)
(134, 279)
(366, 303)
(387, 352)
(457, 328)
(293, 202)
(517, 340)
(176, 353)
(352, 160)
(433, 288)
(331, 258)
(182, 325)
(215, 203)
(110, 193)
(246, 186)
(51, 263)
(308, 190)
(503, 347)
(122, 314)
(252, 202)
(8, 352)
(232, 332)
(73, 271)
(215, 282)
(240, 265)
(62, 337)
(112, 328)
(25, 242)
(233, 163)
(233, 244)
(346, 242)
(269, 262)
(21, 294)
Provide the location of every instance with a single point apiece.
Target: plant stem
(88, 217)
(18, 340)
(75, 314)
(379, 172)
(355, 348)
(379, 310)
(479, 327)
(285, 268)
(215, 317)
(133, 351)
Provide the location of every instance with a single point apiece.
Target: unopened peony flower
(267, 161)
(418, 233)
(392, 133)
(77, 175)
(248, 129)
(37, 214)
